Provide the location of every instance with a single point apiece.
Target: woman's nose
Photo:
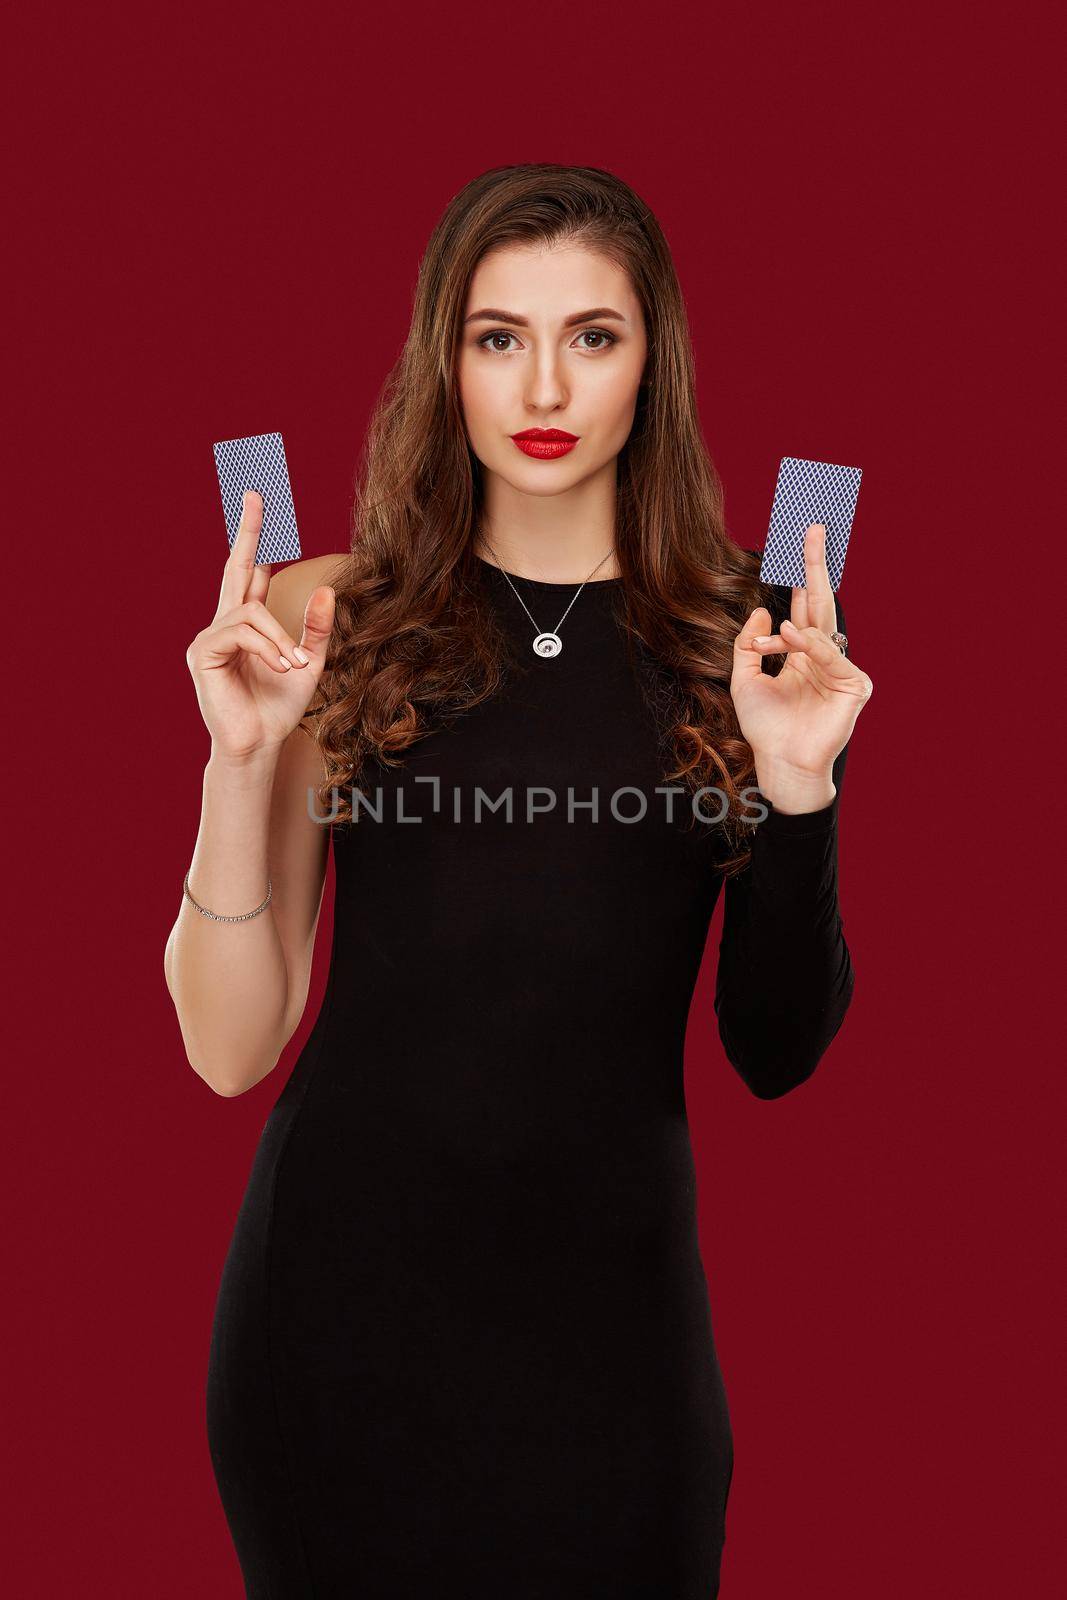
(546, 386)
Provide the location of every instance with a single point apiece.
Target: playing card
(258, 462)
(807, 492)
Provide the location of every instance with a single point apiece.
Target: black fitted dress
(463, 1341)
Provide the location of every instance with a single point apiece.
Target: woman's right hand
(253, 681)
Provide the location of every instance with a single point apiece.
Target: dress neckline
(539, 583)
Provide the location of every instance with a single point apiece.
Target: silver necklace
(548, 644)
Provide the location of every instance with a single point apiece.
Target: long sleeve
(785, 977)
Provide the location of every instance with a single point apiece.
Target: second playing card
(258, 462)
(807, 492)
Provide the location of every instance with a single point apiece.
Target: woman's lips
(545, 444)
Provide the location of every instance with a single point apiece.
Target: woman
(463, 1337)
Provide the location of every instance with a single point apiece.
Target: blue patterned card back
(807, 492)
(258, 462)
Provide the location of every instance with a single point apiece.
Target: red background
(215, 220)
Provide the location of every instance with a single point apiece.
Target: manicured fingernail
(760, 638)
(288, 665)
(301, 655)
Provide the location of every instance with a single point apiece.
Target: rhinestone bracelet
(204, 912)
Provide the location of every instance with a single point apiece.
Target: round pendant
(547, 644)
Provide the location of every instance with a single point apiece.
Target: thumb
(748, 662)
(318, 622)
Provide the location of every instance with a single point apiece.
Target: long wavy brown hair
(413, 644)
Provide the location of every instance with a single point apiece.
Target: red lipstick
(545, 444)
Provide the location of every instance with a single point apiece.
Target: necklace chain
(548, 644)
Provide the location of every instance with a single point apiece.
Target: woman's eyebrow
(491, 314)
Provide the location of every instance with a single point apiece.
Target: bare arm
(239, 989)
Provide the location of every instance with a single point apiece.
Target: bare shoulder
(292, 586)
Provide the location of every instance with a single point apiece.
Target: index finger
(240, 567)
(821, 606)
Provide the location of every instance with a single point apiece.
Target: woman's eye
(497, 334)
(587, 333)
(597, 333)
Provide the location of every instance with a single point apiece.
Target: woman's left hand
(798, 721)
